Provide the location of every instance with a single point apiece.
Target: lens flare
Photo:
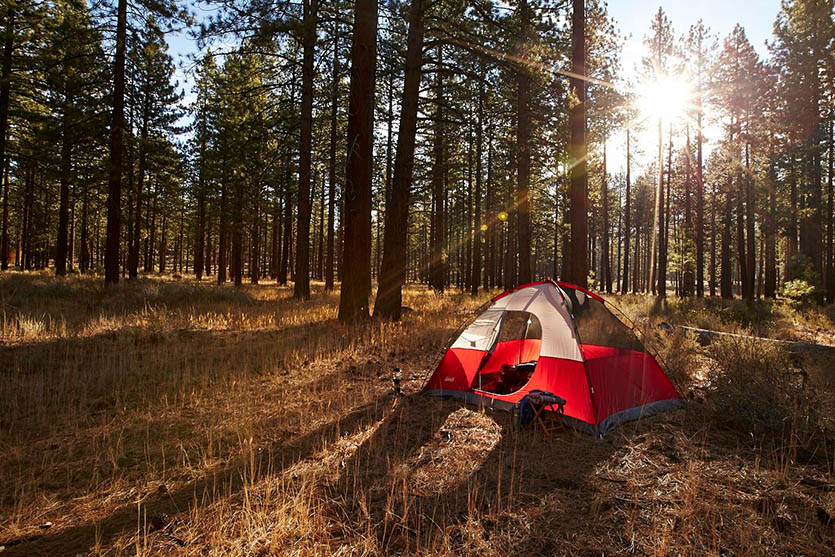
(667, 97)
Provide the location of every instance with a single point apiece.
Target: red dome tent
(559, 338)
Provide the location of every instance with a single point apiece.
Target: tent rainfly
(558, 338)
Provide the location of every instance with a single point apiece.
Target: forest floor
(166, 417)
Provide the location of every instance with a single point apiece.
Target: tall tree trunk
(331, 256)
(688, 278)
(393, 269)
(830, 217)
(477, 240)
(700, 194)
(5, 93)
(223, 231)
(136, 241)
(627, 216)
(275, 237)
(64, 196)
(255, 242)
(301, 288)
(467, 218)
(577, 257)
(356, 256)
(163, 243)
(236, 266)
(791, 231)
(657, 237)
(665, 220)
(437, 259)
(636, 272)
(751, 254)
(605, 262)
(288, 233)
(770, 226)
(28, 217)
(490, 217)
(726, 286)
(114, 184)
(320, 253)
(713, 232)
(84, 260)
(523, 148)
(199, 247)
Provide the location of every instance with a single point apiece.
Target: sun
(666, 97)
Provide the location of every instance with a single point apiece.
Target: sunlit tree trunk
(356, 256)
(627, 210)
(657, 237)
(301, 288)
(393, 270)
(335, 71)
(577, 257)
(437, 242)
(605, 261)
(478, 235)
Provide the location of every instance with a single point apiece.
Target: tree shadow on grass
(222, 482)
(468, 499)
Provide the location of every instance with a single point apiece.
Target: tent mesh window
(597, 325)
(511, 360)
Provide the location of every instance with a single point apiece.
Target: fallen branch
(706, 336)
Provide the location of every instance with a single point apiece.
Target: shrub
(798, 291)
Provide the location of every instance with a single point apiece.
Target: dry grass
(167, 417)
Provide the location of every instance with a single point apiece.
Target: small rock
(46, 526)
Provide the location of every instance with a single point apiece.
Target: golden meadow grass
(165, 417)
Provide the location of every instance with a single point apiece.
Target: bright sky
(633, 18)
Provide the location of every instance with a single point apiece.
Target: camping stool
(541, 401)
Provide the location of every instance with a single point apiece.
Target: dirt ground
(167, 417)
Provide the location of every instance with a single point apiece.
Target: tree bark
(830, 217)
(523, 147)
(393, 270)
(770, 225)
(605, 262)
(356, 256)
(5, 93)
(201, 234)
(726, 286)
(657, 237)
(64, 196)
(329, 262)
(478, 236)
(577, 257)
(700, 191)
(301, 288)
(114, 184)
(751, 254)
(437, 240)
(627, 216)
(288, 233)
